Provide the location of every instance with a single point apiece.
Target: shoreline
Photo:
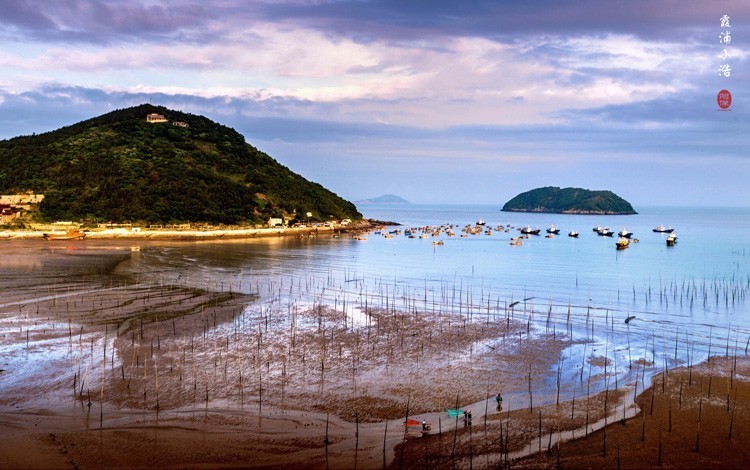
(193, 234)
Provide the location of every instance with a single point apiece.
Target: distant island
(555, 200)
(385, 199)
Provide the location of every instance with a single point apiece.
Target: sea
(681, 303)
(657, 305)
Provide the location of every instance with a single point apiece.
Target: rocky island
(555, 200)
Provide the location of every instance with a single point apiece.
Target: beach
(186, 233)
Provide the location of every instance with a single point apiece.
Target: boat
(74, 234)
(438, 243)
(605, 232)
(481, 222)
(598, 228)
(529, 231)
(671, 239)
(573, 234)
(622, 243)
(624, 233)
(516, 241)
(663, 229)
(553, 230)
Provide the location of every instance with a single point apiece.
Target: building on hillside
(9, 213)
(27, 202)
(153, 117)
(180, 124)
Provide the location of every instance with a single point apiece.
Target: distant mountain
(569, 201)
(385, 199)
(174, 167)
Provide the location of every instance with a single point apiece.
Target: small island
(384, 199)
(555, 200)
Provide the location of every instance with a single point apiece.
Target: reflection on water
(686, 301)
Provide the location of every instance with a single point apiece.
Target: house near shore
(275, 222)
(27, 202)
(154, 118)
(8, 213)
(180, 124)
(13, 206)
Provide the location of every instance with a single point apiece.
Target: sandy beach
(103, 367)
(37, 232)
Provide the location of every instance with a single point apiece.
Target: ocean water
(688, 300)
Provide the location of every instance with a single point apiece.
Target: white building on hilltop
(153, 117)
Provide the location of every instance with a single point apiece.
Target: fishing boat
(73, 234)
(624, 233)
(605, 232)
(622, 243)
(573, 234)
(663, 229)
(481, 222)
(671, 239)
(598, 228)
(529, 231)
(553, 230)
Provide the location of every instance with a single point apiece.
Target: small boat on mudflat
(69, 235)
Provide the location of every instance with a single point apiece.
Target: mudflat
(105, 366)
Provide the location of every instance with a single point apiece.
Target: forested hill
(569, 201)
(119, 167)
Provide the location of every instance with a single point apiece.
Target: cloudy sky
(437, 101)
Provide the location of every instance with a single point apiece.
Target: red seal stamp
(724, 99)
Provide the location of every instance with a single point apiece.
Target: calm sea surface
(687, 300)
(700, 282)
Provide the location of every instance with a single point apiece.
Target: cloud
(104, 22)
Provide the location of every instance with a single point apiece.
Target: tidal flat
(123, 355)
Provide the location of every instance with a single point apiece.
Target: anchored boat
(69, 235)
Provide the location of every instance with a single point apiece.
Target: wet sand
(106, 369)
(101, 368)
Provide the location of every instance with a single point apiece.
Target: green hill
(569, 201)
(119, 167)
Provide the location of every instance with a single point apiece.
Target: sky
(436, 101)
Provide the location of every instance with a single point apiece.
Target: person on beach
(466, 418)
(469, 416)
(499, 400)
